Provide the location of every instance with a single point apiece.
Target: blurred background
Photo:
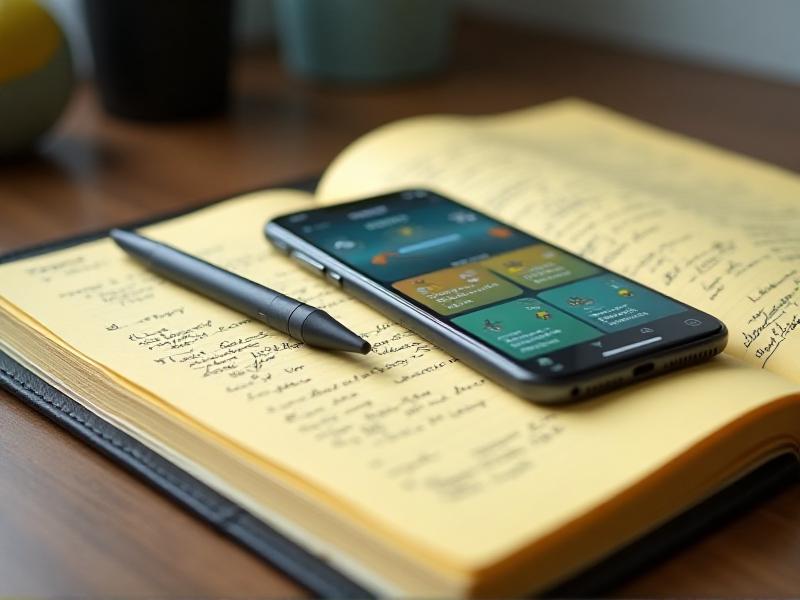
(755, 36)
(115, 110)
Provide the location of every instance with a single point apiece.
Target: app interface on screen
(509, 289)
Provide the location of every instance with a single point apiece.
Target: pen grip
(286, 314)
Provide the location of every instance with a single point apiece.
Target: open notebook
(405, 469)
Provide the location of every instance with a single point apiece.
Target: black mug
(161, 59)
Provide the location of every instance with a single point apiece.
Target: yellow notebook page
(432, 457)
(716, 230)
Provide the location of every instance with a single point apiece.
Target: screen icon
(344, 245)
(462, 216)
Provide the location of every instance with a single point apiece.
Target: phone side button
(280, 245)
(334, 278)
(308, 263)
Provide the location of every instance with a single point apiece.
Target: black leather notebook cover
(315, 574)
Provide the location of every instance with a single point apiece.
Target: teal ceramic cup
(364, 40)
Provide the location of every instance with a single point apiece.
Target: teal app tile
(611, 303)
(526, 327)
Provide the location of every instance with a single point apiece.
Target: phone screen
(521, 296)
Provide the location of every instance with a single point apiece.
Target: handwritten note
(707, 227)
(407, 441)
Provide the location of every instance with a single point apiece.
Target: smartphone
(541, 321)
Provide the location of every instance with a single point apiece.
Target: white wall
(756, 36)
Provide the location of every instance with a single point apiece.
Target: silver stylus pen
(297, 319)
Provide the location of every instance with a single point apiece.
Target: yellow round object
(35, 75)
(29, 37)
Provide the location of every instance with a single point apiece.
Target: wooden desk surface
(73, 524)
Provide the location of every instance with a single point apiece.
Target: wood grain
(73, 524)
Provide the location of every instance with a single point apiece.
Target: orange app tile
(540, 266)
(382, 258)
(457, 289)
(500, 232)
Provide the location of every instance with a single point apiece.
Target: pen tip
(323, 331)
(124, 239)
(134, 244)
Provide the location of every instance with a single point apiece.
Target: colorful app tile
(526, 327)
(611, 303)
(539, 267)
(455, 290)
